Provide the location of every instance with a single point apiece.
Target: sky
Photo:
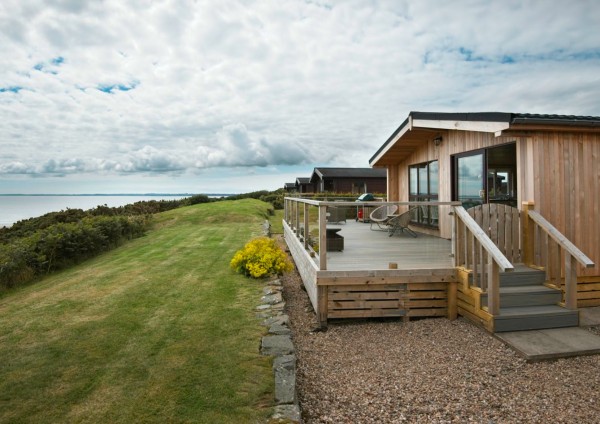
(218, 96)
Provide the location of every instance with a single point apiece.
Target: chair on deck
(399, 223)
(381, 216)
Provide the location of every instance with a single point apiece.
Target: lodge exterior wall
(453, 142)
(558, 170)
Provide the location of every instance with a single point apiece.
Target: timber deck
(375, 250)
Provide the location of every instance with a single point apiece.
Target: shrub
(261, 257)
(63, 244)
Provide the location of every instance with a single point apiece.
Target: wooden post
(453, 245)
(528, 237)
(452, 301)
(322, 237)
(297, 220)
(570, 281)
(493, 287)
(322, 296)
(393, 265)
(306, 225)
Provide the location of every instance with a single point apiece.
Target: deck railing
(475, 251)
(300, 218)
(546, 247)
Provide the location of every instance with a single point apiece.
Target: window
(486, 176)
(359, 187)
(423, 182)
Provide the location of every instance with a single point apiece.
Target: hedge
(63, 244)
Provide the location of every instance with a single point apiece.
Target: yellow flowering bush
(261, 257)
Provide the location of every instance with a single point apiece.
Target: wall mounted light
(437, 141)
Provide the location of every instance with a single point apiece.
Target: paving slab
(589, 316)
(539, 345)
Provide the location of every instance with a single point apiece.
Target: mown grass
(158, 330)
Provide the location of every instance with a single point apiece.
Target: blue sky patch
(59, 60)
(12, 89)
(109, 88)
(468, 55)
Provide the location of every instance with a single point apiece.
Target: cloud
(236, 146)
(176, 87)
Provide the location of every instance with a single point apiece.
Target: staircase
(527, 304)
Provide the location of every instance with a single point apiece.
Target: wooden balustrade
(546, 247)
(474, 250)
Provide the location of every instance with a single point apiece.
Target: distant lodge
(341, 180)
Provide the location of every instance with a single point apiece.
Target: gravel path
(429, 371)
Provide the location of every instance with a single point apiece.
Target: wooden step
(521, 276)
(534, 318)
(531, 295)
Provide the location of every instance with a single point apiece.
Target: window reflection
(470, 180)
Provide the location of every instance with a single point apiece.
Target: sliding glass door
(486, 176)
(470, 180)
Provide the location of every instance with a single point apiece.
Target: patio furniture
(335, 242)
(399, 223)
(336, 215)
(381, 215)
(363, 211)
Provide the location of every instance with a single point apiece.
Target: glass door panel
(470, 188)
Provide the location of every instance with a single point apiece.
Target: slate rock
(263, 307)
(291, 413)
(272, 299)
(277, 345)
(281, 319)
(279, 329)
(278, 306)
(284, 368)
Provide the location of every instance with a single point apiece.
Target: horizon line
(114, 194)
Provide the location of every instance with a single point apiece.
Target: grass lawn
(158, 330)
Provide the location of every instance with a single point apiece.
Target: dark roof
(303, 180)
(349, 173)
(511, 118)
(571, 120)
(289, 185)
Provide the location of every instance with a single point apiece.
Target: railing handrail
(367, 203)
(561, 240)
(503, 263)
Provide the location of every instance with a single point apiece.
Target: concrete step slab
(539, 345)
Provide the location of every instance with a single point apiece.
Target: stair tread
(516, 311)
(534, 288)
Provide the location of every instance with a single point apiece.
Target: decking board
(365, 249)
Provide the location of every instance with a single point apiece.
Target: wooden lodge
(349, 180)
(506, 210)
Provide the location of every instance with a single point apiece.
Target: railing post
(570, 281)
(454, 239)
(306, 225)
(322, 237)
(297, 219)
(528, 237)
(493, 287)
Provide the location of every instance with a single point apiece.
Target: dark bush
(64, 244)
(199, 198)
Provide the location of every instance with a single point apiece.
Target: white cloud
(193, 85)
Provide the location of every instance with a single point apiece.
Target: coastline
(15, 207)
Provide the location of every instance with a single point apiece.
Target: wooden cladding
(388, 300)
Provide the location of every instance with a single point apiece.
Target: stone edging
(278, 343)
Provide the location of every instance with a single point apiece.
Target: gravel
(429, 371)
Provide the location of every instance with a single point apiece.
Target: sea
(14, 208)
